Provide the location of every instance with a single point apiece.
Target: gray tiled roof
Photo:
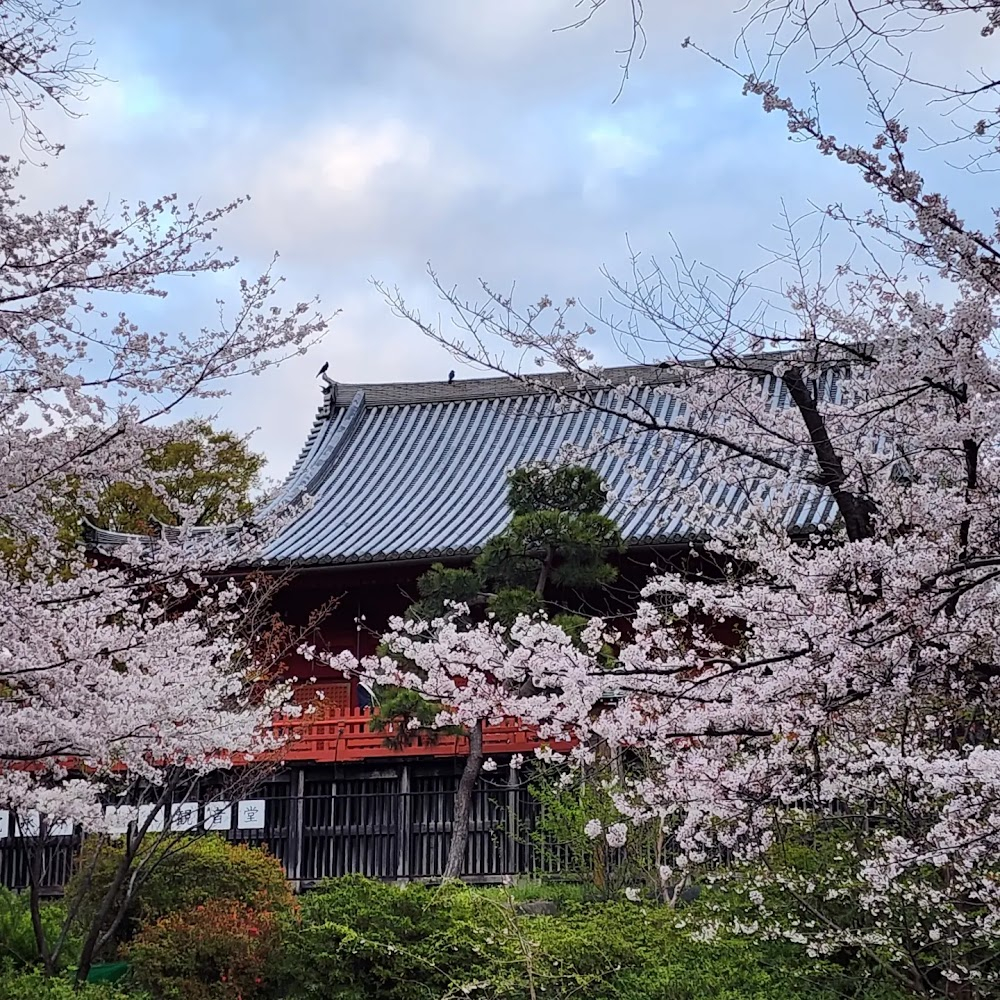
(418, 470)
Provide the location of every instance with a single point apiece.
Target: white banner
(156, 823)
(184, 815)
(218, 816)
(118, 818)
(28, 824)
(60, 827)
(250, 815)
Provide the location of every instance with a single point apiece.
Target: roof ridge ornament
(329, 391)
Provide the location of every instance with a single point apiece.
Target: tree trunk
(35, 905)
(544, 572)
(463, 803)
(108, 906)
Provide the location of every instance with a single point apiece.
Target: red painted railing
(348, 736)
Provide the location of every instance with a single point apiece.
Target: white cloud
(616, 148)
(373, 137)
(344, 161)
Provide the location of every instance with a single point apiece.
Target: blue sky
(376, 135)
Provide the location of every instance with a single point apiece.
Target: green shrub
(222, 950)
(359, 938)
(34, 985)
(555, 890)
(17, 935)
(559, 833)
(809, 881)
(620, 951)
(182, 874)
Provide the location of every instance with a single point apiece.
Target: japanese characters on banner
(250, 815)
(183, 815)
(218, 816)
(27, 824)
(30, 824)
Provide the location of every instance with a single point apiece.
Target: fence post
(404, 824)
(295, 823)
(513, 817)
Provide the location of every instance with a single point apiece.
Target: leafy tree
(195, 476)
(202, 476)
(557, 541)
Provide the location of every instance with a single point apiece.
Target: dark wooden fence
(395, 826)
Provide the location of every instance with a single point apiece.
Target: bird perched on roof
(451, 376)
(322, 371)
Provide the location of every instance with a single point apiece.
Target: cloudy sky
(377, 135)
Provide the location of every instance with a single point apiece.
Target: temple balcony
(345, 735)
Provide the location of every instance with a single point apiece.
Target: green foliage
(551, 546)
(200, 473)
(397, 706)
(221, 950)
(809, 880)
(559, 892)
(565, 810)
(355, 938)
(17, 936)
(440, 585)
(360, 938)
(573, 489)
(503, 563)
(182, 873)
(208, 474)
(557, 537)
(511, 602)
(620, 951)
(35, 985)
(573, 626)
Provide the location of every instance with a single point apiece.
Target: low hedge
(357, 938)
(220, 950)
(18, 946)
(354, 938)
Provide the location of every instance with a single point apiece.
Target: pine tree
(556, 544)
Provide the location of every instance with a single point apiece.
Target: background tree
(203, 476)
(556, 543)
(196, 476)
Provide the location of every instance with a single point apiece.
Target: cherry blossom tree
(134, 670)
(44, 63)
(835, 444)
(480, 674)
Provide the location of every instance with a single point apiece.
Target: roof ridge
(504, 386)
(338, 395)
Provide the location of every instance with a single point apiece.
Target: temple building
(401, 476)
